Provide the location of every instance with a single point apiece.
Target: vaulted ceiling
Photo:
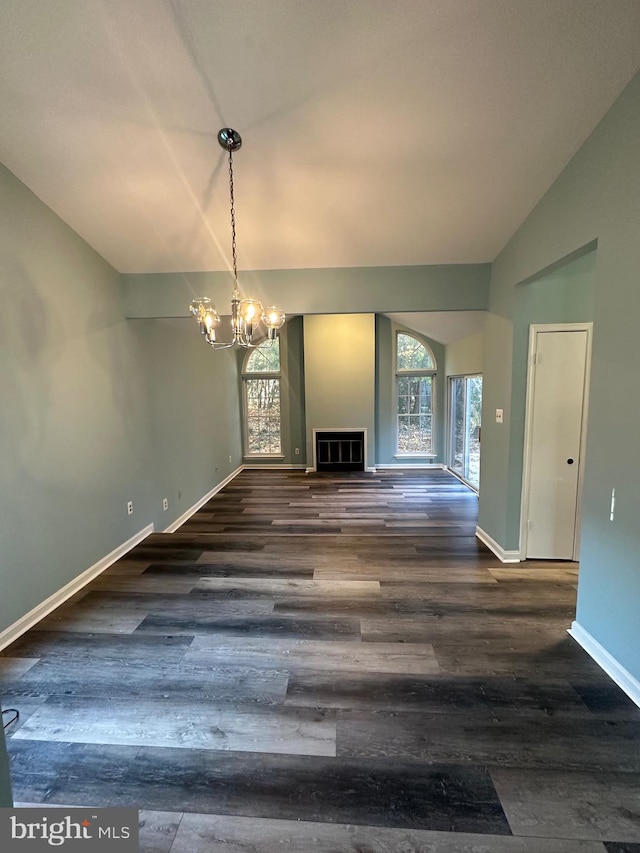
(375, 132)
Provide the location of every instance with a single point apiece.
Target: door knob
(570, 461)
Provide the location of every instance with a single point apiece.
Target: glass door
(465, 395)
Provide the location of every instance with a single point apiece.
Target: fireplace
(339, 450)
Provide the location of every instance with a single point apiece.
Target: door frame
(449, 426)
(534, 330)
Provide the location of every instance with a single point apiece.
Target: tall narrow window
(415, 374)
(261, 383)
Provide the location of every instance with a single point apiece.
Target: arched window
(415, 375)
(261, 386)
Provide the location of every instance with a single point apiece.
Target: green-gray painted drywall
(297, 403)
(340, 375)
(385, 432)
(563, 296)
(595, 198)
(455, 287)
(385, 395)
(96, 410)
(6, 799)
(194, 412)
(464, 357)
(74, 414)
(292, 401)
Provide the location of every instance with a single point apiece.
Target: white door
(556, 402)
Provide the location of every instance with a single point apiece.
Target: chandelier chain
(233, 219)
(246, 314)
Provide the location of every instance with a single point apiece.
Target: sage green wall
(454, 287)
(595, 198)
(6, 799)
(340, 376)
(193, 405)
(74, 409)
(563, 296)
(294, 427)
(464, 356)
(74, 418)
(96, 410)
(384, 404)
(385, 396)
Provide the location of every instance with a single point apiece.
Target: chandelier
(246, 314)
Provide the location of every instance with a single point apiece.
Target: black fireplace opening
(340, 451)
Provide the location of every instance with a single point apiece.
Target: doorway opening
(465, 427)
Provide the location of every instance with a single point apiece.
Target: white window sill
(264, 456)
(415, 456)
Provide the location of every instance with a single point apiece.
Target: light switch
(499, 416)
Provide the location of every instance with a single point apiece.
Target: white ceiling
(376, 132)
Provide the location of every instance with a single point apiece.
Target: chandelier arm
(238, 343)
(222, 344)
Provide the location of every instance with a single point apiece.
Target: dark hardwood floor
(328, 663)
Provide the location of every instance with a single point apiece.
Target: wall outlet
(499, 416)
(165, 504)
(129, 507)
(297, 451)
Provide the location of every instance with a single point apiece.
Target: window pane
(411, 354)
(263, 415)
(466, 414)
(264, 359)
(474, 422)
(414, 414)
(457, 424)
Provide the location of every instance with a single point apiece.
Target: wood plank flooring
(328, 663)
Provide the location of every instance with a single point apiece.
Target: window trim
(400, 372)
(262, 374)
(450, 426)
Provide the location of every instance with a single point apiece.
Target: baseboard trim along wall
(492, 545)
(49, 604)
(279, 466)
(200, 503)
(609, 664)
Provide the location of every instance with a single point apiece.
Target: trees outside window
(261, 385)
(415, 374)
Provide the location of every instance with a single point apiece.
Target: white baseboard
(279, 466)
(369, 470)
(200, 503)
(49, 604)
(609, 664)
(492, 545)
